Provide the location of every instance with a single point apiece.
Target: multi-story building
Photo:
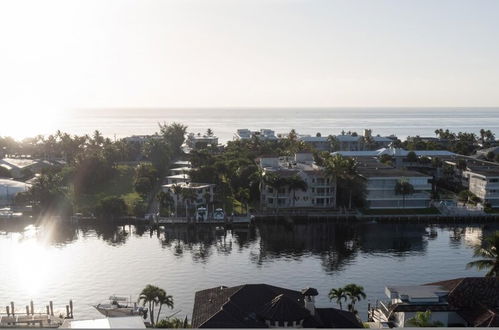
(196, 141)
(203, 193)
(320, 143)
(320, 190)
(263, 134)
(484, 183)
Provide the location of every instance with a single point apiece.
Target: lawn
(121, 184)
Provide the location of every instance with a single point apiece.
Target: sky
(63, 54)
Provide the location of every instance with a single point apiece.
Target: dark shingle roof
(282, 308)
(248, 306)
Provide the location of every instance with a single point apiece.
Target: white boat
(120, 306)
(201, 214)
(218, 215)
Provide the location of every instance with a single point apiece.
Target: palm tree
(177, 190)
(189, 196)
(339, 294)
(275, 182)
(345, 171)
(404, 188)
(296, 183)
(423, 320)
(149, 295)
(490, 252)
(243, 195)
(163, 299)
(355, 293)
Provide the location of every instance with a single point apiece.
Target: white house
(380, 187)
(9, 189)
(195, 141)
(320, 143)
(263, 134)
(320, 189)
(204, 193)
(461, 302)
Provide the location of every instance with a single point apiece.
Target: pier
(28, 318)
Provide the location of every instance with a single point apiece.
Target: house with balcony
(483, 181)
(203, 193)
(198, 141)
(319, 143)
(349, 142)
(263, 134)
(381, 180)
(462, 302)
(320, 190)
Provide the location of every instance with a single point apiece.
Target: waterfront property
(9, 189)
(24, 167)
(319, 143)
(265, 306)
(177, 178)
(196, 141)
(202, 194)
(381, 182)
(471, 301)
(317, 190)
(263, 134)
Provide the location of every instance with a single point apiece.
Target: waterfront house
(177, 178)
(320, 190)
(24, 167)
(197, 141)
(265, 306)
(349, 142)
(470, 301)
(263, 134)
(142, 139)
(9, 189)
(483, 153)
(381, 180)
(203, 193)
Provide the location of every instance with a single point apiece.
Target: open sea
(224, 122)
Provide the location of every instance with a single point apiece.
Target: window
(271, 201)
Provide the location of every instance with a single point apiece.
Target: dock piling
(67, 311)
(71, 307)
(32, 307)
(7, 309)
(48, 309)
(27, 310)
(12, 308)
(51, 304)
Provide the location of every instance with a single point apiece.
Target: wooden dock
(31, 319)
(233, 220)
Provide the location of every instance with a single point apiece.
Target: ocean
(224, 122)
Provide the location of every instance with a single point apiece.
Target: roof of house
(348, 138)
(250, 305)
(385, 172)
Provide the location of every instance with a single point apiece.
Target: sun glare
(23, 123)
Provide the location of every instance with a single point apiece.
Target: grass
(430, 210)
(121, 184)
(491, 210)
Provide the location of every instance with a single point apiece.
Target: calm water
(88, 264)
(224, 122)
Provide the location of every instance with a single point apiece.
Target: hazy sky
(78, 54)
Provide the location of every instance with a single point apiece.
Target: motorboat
(120, 306)
(201, 214)
(218, 215)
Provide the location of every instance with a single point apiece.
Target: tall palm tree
(355, 293)
(275, 182)
(490, 252)
(149, 296)
(189, 196)
(295, 183)
(163, 299)
(404, 188)
(177, 190)
(339, 294)
(345, 171)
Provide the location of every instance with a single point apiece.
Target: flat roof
(417, 291)
(372, 172)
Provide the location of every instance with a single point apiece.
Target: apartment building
(319, 190)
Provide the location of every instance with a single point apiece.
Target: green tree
(111, 207)
(295, 183)
(489, 251)
(189, 197)
(177, 191)
(404, 188)
(149, 296)
(423, 320)
(163, 300)
(338, 295)
(355, 293)
(174, 135)
(412, 157)
(143, 185)
(172, 323)
(4, 172)
(344, 171)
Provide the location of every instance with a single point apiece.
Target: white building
(204, 193)
(380, 187)
(320, 143)
(9, 189)
(20, 167)
(263, 134)
(319, 193)
(484, 183)
(461, 302)
(196, 141)
(348, 142)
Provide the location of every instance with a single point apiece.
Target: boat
(201, 214)
(121, 306)
(218, 215)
